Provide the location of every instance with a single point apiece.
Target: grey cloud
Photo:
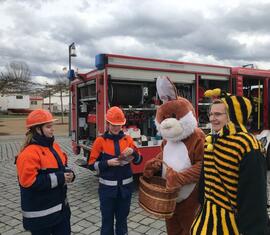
(248, 18)
(167, 33)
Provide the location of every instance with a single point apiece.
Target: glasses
(216, 115)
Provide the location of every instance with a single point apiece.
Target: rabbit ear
(166, 89)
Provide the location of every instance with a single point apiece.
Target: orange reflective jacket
(107, 146)
(35, 158)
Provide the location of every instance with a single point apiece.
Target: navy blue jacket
(41, 166)
(113, 179)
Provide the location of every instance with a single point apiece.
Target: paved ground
(82, 197)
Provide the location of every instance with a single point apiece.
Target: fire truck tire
(268, 158)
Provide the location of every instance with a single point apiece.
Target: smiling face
(218, 116)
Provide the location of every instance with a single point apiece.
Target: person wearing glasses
(233, 180)
(218, 116)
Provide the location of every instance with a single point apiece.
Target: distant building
(26, 103)
(55, 103)
(36, 103)
(55, 108)
(15, 103)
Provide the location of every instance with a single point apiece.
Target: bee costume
(233, 179)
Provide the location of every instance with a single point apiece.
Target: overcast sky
(38, 32)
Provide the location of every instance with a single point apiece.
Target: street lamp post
(71, 53)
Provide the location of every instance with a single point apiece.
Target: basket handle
(163, 162)
(167, 166)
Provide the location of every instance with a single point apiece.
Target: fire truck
(129, 82)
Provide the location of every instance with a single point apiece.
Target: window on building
(33, 102)
(19, 97)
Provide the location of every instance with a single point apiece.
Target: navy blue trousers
(62, 228)
(117, 208)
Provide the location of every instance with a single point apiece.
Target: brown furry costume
(182, 150)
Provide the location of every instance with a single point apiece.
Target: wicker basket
(155, 198)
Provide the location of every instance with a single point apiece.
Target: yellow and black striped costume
(233, 181)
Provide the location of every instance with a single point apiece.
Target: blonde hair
(28, 138)
(216, 101)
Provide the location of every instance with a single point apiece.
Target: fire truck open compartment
(138, 101)
(86, 108)
(129, 82)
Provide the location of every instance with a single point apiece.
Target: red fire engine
(129, 82)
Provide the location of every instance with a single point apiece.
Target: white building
(20, 103)
(54, 103)
(14, 102)
(26, 103)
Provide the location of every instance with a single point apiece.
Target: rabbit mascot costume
(182, 150)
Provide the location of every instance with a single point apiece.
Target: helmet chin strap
(39, 127)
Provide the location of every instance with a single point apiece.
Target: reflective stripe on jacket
(42, 185)
(113, 179)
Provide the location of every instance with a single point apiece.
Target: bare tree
(48, 91)
(61, 87)
(16, 78)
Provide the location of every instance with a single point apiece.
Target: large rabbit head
(175, 118)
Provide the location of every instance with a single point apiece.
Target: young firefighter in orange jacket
(110, 157)
(43, 175)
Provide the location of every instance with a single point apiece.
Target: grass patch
(4, 134)
(13, 115)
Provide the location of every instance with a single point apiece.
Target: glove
(171, 179)
(151, 167)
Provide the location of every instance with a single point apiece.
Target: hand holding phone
(126, 155)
